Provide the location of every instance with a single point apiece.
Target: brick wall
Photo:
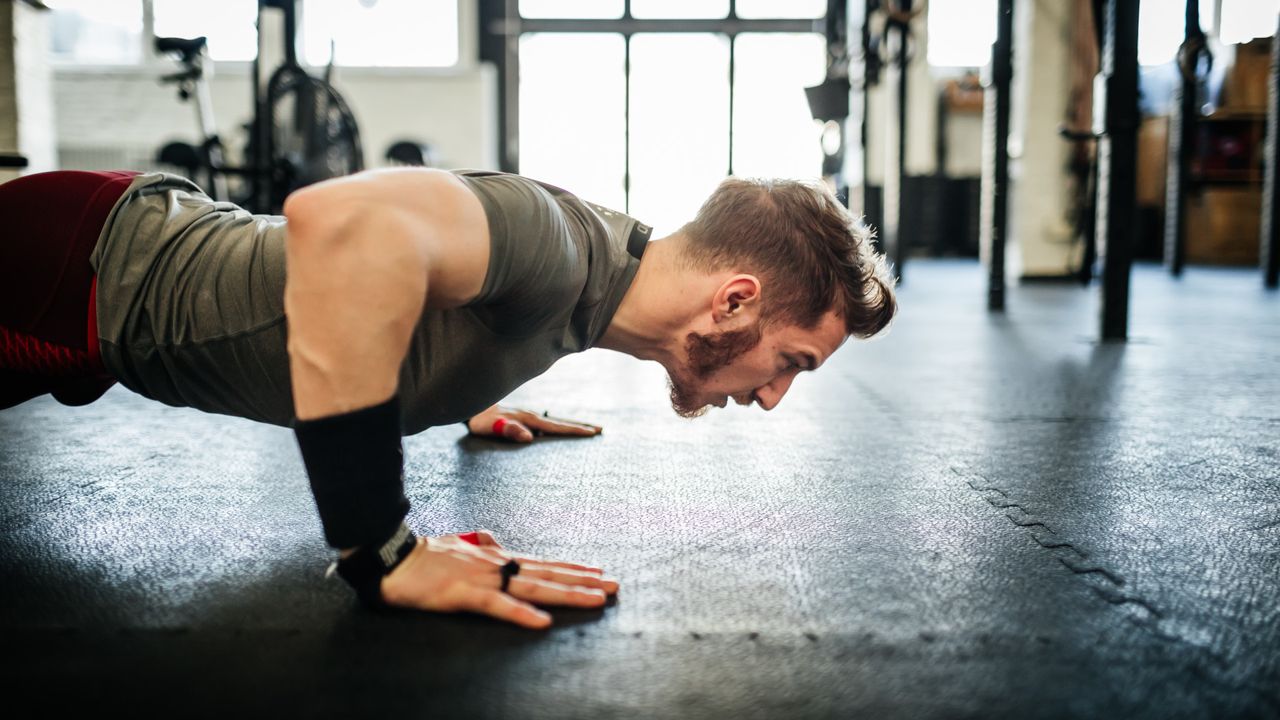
(130, 109)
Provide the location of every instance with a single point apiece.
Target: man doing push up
(391, 301)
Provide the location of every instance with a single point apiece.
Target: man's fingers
(559, 426)
(490, 601)
(511, 430)
(480, 538)
(505, 556)
(556, 563)
(546, 592)
(564, 576)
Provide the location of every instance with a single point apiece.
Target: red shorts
(49, 225)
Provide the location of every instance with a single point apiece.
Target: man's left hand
(516, 425)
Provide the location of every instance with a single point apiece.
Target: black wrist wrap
(364, 569)
(356, 466)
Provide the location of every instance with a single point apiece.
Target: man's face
(748, 364)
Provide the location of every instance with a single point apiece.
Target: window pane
(679, 124)
(231, 31)
(572, 113)
(571, 8)
(1160, 30)
(1244, 20)
(774, 135)
(382, 33)
(961, 32)
(683, 9)
(1162, 26)
(1206, 15)
(782, 8)
(96, 31)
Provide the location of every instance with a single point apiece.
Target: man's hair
(814, 255)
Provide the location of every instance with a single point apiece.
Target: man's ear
(737, 297)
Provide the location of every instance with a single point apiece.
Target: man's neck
(658, 306)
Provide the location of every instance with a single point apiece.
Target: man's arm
(365, 255)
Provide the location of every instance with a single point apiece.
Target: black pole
(870, 78)
(261, 130)
(904, 33)
(995, 191)
(500, 47)
(1271, 189)
(897, 27)
(1182, 128)
(733, 75)
(1117, 163)
(626, 123)
(1096, 10)
(290, 9)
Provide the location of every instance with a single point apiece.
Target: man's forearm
(354, 291)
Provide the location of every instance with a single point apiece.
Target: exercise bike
(302, 130)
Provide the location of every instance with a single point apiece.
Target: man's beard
(707, 354)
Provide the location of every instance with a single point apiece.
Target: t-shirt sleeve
(536, 267)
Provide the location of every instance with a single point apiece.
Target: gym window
(365, 33)
(381, 33)
(1244, 20)
(1161, 28)
(96, 31)
(666, 97)
(230, 30)
(961, 32)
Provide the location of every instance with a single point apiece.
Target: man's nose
(770, 395)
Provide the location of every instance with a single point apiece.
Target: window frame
(505, 31)
(154, 65)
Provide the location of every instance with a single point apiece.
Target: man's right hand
(449, 574)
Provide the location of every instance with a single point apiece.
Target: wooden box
(1223, 225)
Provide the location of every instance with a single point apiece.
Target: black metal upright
(1182, 128)
(995, 177)
(497, 47)
(903, 62)
(870, 78)
(1271, 188)
(897, 33)
(1117, 162)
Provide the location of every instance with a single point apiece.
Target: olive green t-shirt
(190, 300)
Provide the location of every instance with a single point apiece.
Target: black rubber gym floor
(976, 516)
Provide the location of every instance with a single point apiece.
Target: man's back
(191, 308)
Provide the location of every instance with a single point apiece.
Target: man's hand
(449, 574)
(521, 426)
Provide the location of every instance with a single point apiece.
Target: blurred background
(644, 105)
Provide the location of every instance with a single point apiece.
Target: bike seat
(187, 47)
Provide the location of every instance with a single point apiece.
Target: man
(414, 298)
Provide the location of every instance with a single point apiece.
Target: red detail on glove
(471, 537)
(498, 425)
